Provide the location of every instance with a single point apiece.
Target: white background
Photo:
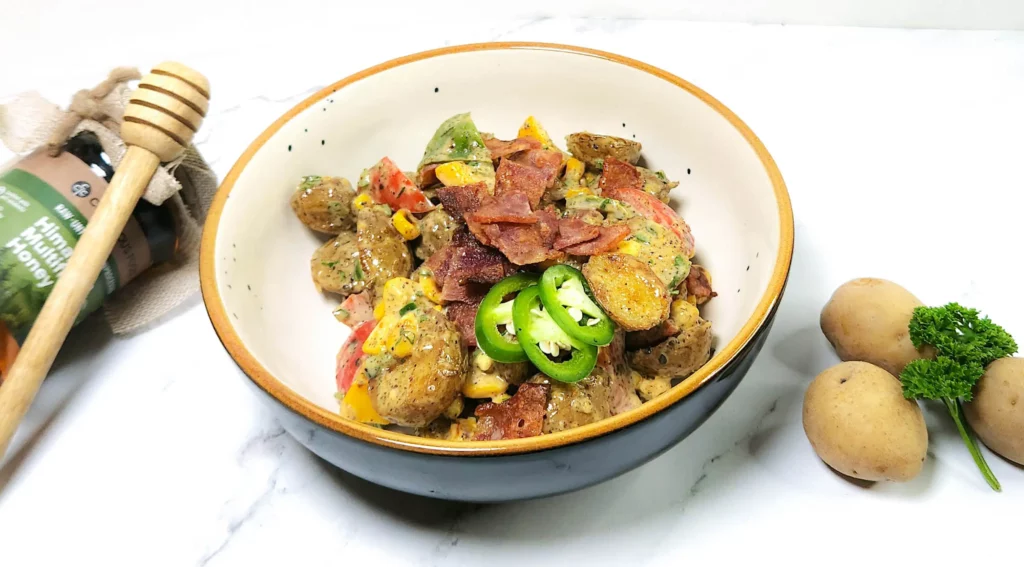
(902, 153)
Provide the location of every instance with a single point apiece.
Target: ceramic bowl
(281, 332)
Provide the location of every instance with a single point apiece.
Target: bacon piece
(464, 317)
(502, 148)
(574, 231)
(607, 241)
(699, 285)
(620, 175)
(513, 206)
(520, 416)
(465, 292)
(427, 176)
(547, 162)
(461, 200)
(525, 244)
(514, 177)
(470, 261)
(652, 336)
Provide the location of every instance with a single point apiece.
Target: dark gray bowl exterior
(526, 475)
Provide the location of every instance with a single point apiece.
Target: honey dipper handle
(160, 120)
(72, 287)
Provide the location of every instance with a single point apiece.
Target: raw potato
(868, 319)
(589, 148)
(997, 411)
(628, 291)
(677, 356)
(859, 423)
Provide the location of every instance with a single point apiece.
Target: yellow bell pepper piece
(430, 289)
(361, 201)
(454, 174)
(630, 247)
(405, 225)
(402, 336)
(532, 129)
(378, 339)
(357, 398)
(481, 386)
(574, 170)
(455, 409)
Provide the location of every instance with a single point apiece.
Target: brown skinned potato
(417, 390)
(677, 356)
(859, 423)
(589, 148)
(384, 254)
(324, 204)
(997, 411)
(868, 319)
(437, 228)
(628, 291)
(333, 266)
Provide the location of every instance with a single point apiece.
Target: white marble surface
(902, 153)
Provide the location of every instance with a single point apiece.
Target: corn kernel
(361, 201)
(500, 398)
(692, 299)
(582, 190)
(379, 310)
(481, 386)
(405, 225)
(398, 292)
(574, 170)
(454, 174)
(483, 362)
(437, 308)
(630, 247)
(430, 290)
(455, 409)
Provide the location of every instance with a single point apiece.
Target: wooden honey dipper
(159, 122)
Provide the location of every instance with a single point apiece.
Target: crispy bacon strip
(607, 241)
(520, 416)
(502, 148)
(620, 175)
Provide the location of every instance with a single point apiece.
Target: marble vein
(741, 443)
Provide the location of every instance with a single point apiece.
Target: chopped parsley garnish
(407, 308)
(358, 273)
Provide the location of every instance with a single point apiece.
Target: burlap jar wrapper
(186, 185)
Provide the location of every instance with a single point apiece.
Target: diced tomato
(351, 354)
(388, 185)
(649, 206)
(357, 309)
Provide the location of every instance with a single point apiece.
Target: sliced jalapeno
(537, 332)
(495, 332)
(566, 296)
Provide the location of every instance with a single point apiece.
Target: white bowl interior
(262, 251)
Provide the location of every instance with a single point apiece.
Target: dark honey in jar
(45, 204)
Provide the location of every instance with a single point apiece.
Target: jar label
(45, 204)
